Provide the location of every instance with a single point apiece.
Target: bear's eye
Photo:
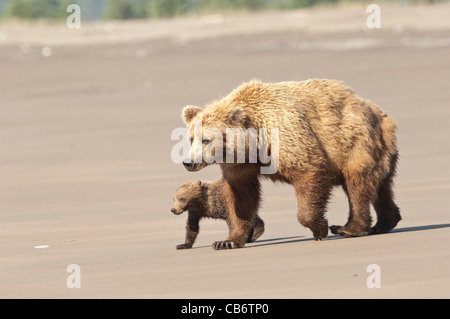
(206, 141)
(182, 199)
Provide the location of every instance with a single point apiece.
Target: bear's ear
(236, 116)
(189, 111)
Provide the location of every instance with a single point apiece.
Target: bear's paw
(184, 246)
(225, 244)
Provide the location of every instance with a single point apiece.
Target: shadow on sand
(417, 228)
(297, 239)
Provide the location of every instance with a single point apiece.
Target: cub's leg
(192, 229)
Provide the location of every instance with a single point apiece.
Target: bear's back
(318, 119)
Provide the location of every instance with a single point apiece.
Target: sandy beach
(86, 175)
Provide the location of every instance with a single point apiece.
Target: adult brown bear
(327, 136)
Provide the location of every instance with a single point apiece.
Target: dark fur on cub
(203, 199)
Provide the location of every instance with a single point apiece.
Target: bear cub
(204, 199)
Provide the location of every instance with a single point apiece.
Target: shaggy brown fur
(202, 199)
(328, 136)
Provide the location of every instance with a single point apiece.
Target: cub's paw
(184, 246)
(225, 244)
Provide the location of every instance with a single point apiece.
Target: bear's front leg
(242, 201)
(192, 229)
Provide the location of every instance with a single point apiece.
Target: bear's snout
(173, 210)
(192, 166)
(188, 165)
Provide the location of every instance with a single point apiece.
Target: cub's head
(206, 132)
(186, 196)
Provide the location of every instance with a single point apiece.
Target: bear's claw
(225, 244)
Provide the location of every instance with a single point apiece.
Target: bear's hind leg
(388, 213)
(360, 192)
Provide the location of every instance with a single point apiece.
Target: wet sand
(85, 164)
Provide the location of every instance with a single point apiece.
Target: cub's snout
(176, 212)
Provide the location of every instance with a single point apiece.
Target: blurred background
(141, 9)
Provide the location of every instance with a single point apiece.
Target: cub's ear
(197, 184)
(187, 183)
(189, 112)
(236, 116)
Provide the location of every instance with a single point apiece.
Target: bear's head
(207, 131)
(186, 196)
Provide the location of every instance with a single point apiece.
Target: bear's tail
(388, 128)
